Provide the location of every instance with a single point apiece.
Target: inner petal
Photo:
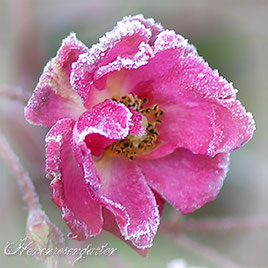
(143, 136)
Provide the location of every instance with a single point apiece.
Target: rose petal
(186, 180)
(126, 194)
(120, 187)
(68, 189)
(115, 181)
(200, 109)
(159, 201)
(54, 98)
(126, 45)
(110, 225)
(106, 123)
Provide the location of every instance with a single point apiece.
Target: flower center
(134, 145)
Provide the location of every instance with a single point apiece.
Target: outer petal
(54, 98)
(68, 189)
(186, 180)
(126, 194)
(127, 45)
(114, 181)
(120, 187)
(110, 225)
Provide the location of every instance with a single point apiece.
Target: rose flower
(136, 120)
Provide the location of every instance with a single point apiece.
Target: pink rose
(137, 119)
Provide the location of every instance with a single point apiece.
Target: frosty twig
(225, 224)
(39, 230)
(207, 253)
(22, 176)
(214, 225)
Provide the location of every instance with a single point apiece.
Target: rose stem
(208, 253)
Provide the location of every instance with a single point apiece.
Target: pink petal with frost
(200, 109)
(115, 181)
(110, 225)
(186, 180)
(68, 190)
(54, 98)
(135, 126)
(126, 194)
(119, 186)
(126, 45)
(159, 151)
(159, 58)
(106, 123)
(202, 124)
(159, 201)
(150, 24)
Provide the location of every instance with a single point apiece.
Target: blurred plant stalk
(176, 227)
(40, 232)
(15, 93)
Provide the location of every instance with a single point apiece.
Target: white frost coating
(80, 136)
(123, 231)
(149, 229)
(75, 223)
(146, 30)
(218, 134)
(99, 51)
(141, 58)
(200, 75)
(57, 138)
(87, 131)
(73, 39)
(168, 39)
(147, 22)
(224, 166)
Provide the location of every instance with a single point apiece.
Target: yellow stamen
(133, 145)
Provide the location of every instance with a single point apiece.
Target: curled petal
(68, 189)
(110, 225)
(126, 194)
(54, 98)
(119, 186)
(127, 45)
(150, 24)
(186, 180)
(106, 123)
(115, 182)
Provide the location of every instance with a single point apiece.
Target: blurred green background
(231, 35)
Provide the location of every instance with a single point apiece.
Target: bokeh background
(231, 35)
